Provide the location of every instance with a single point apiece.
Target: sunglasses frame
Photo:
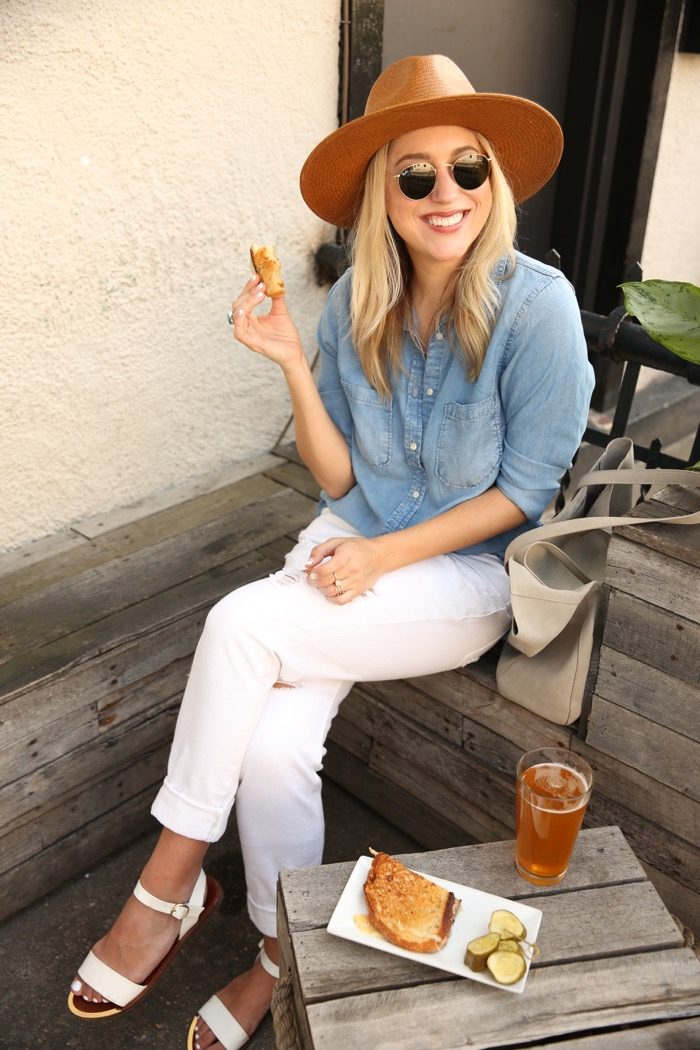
(450, 167)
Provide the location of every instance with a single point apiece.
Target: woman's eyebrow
(425, 156)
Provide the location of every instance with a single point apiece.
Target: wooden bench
(98, 627)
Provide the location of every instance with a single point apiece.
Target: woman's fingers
(253, 293)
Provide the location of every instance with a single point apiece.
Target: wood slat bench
(97, 628)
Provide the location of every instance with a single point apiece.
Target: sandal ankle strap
(185, 913)
(266, 962)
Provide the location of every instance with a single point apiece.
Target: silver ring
(230, 317)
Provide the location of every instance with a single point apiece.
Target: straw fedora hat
(419, 92)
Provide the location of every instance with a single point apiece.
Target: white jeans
(239, 738)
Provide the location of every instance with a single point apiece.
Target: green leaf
(669, 311)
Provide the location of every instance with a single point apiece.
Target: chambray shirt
(442, 439)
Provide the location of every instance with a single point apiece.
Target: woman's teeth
(451, 220)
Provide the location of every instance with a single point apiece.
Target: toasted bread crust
(411, 911)
(267, 266)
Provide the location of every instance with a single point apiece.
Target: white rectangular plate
(472, 921)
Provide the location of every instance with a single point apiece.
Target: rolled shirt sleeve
(545, 388)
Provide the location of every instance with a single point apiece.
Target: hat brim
(525, 137)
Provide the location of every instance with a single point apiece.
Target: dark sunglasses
(418, 180)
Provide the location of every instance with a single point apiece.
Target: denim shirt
(442, 439)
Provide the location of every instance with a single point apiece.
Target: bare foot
(247, 998)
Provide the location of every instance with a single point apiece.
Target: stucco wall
(143, 145)
(672, 240)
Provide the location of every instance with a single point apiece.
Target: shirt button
(439, 335)
(413, 446)
(415, 494)
(430, 391)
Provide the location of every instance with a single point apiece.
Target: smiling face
(439, 230)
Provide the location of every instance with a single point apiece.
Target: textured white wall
(672, 240)
(143, 145)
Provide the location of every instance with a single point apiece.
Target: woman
(453, 392)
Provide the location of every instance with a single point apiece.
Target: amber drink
(552, 789)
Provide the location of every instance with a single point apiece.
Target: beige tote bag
(555, 575)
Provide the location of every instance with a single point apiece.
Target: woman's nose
(445, 187)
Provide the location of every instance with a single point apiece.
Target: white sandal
(120, 991)
(222, 1023)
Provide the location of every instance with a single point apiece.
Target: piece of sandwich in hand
(409, 910)
(267, 266)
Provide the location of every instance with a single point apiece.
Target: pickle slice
(509, 945)
(479, 950)
(506, 967)
(507, 926)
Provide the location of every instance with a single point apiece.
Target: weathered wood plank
(602, 859)
(190, 491)
(665, 640)
(412, 815)
(664, 755)
(350, 738)
(682, 902)
(294, 476)
(420, 706)
(452, 796)
(21, 558)
(653, 844)
(61, 694)
(471, 691)
(56, 611)
(677, 541)
(620, 990)
(216, 507)
(129, 624)
(611, 991)
(625, 681)
(638, 793)
(64, 776)
(668, 1035)
(441, 772)
(669, 583)
(92, 841)
(111, 789)
(617, 920)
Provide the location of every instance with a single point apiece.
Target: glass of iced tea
(552, 789)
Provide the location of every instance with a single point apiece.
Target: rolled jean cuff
(187, 818)
(264, 919)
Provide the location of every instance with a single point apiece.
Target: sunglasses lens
(417, 181)
(471, 171)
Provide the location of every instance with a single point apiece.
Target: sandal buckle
(180, 911)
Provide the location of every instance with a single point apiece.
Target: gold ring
(338, 586)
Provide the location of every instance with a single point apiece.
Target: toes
(204, 1037)
(84, 991)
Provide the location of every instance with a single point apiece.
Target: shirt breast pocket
(371, 416)
(469, 446)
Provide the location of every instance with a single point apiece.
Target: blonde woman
(453, 391)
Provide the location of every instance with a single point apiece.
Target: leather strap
(556, 529)
(110, 984)
(266, 962)
(223, 1024)
(186, 913)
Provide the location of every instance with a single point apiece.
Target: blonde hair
(382, 270)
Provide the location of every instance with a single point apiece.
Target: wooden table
(614, 972)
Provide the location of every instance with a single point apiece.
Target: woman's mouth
(445, 221)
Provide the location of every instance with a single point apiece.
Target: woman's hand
(274, 335)
(353, 566)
